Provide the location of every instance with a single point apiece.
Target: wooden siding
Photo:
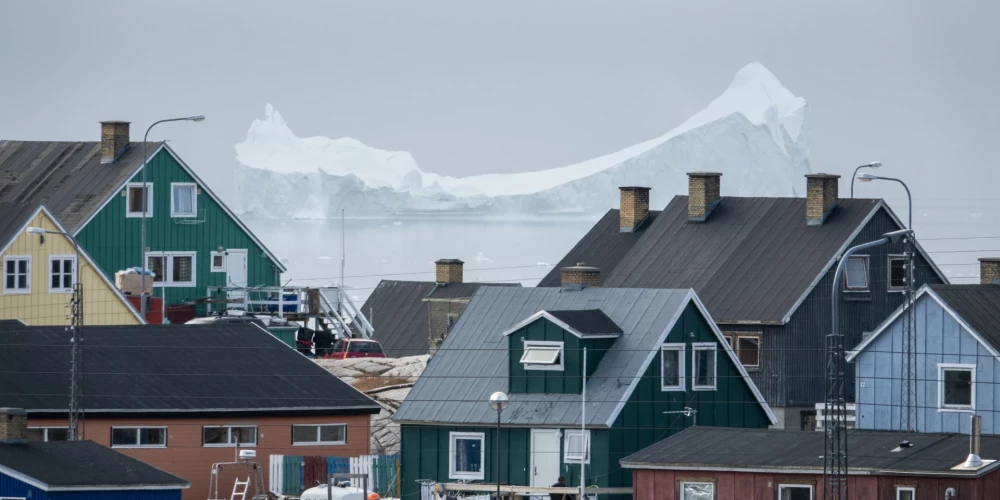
(113, 239)
(185, 456)
(792, 355)
(553, 382)
(101, 305)
(940, 339)
(665, 485)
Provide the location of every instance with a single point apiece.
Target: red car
(355, 348)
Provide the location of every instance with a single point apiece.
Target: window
(795, 492)
(704, 366)
(17, 274)
(897, 272)
(229, 435)
(138, 437)
(957, 386)
(697, 491)
(730, 339)
(133, 199)
(61, 273)
(906, 493)
(748, 350)
(856, 273)
(466, 455)
(808, 421)
(46, 434)
(183, 199)
(540, 355)
(305, 435)
(218, 262)
(672, 364)
(576, 447)
(172, 268)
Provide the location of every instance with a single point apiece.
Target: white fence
(822, 417)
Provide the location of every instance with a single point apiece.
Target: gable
(566, 377)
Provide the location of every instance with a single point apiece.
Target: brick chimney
(114, 140)
(634, 207)
(821, 196)
(703, 194)
(449, 271)
(989, 271)
(13, 425)
(580, 276)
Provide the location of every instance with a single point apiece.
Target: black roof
(11, 323)
(77, 464)
(714, 448)
(399, 316)
(587, 321)
(234, 368)
(978, 305)
(14, 216)
(68, 177)
(752, 260)
(460, 291)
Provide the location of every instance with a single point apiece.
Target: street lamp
(874, 164)
(498, 401)
(145, 202)
(873, 177)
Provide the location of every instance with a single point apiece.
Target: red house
(711, 463)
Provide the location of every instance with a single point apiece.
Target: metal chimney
(973, 461)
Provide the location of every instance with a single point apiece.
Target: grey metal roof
(712, 448)
(460, 291)
(752, 260)
(472, 362)
(170, 368)
(79, 464)
(13, 217)
(590, 321)
(398, 313)
(978, 305)
(68, 177)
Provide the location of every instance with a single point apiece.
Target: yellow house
(38, 274)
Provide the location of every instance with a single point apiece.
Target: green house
(651, 362)
(194, 241)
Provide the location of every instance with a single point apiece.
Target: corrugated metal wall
(113, 239)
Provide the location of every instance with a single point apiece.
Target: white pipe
(583, 424)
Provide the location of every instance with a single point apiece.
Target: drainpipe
(949, 494)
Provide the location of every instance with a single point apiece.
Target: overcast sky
(470, 88)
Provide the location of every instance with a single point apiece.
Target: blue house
(957, 359)
(74, 470)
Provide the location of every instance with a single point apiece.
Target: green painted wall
(113, 239)
(553, 382)
(641, 423)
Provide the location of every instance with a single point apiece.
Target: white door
(544, 457)
(236, 277)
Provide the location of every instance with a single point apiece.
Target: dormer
(546, 349)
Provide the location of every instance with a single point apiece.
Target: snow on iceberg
(754, 133)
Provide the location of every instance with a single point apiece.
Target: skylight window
(540, 355)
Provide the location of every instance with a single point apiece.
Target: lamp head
(35, 230)
(866, 177)
(874, 164)
(499, 401)
(196, 118)
(898, 236)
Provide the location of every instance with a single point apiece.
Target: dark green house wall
(553, 382)
(112, 239)
(641, 422)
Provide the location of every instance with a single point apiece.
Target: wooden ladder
(239, 494)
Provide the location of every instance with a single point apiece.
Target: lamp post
(145, 203)
(76, 349)
(873, 177)
(498, 401)
(874, 164)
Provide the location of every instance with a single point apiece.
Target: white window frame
(682, 380)
(704, 346)
(72, 277)
(575, 459)
(908, 489)
(138, 433)
(812, 489)
(942, 367)
(736, 349)
(317, 442)
(168, 271)
(128, 200)
(455, 436)
(46, 429)
(3, 272)
(211, 263)
(194, 200)
(229, 436)
(888, 272)
(680, 488)
(847, 283)
(561, 366)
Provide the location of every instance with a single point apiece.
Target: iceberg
(754, 133)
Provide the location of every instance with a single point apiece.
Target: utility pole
(76, 358)
(908, 413)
